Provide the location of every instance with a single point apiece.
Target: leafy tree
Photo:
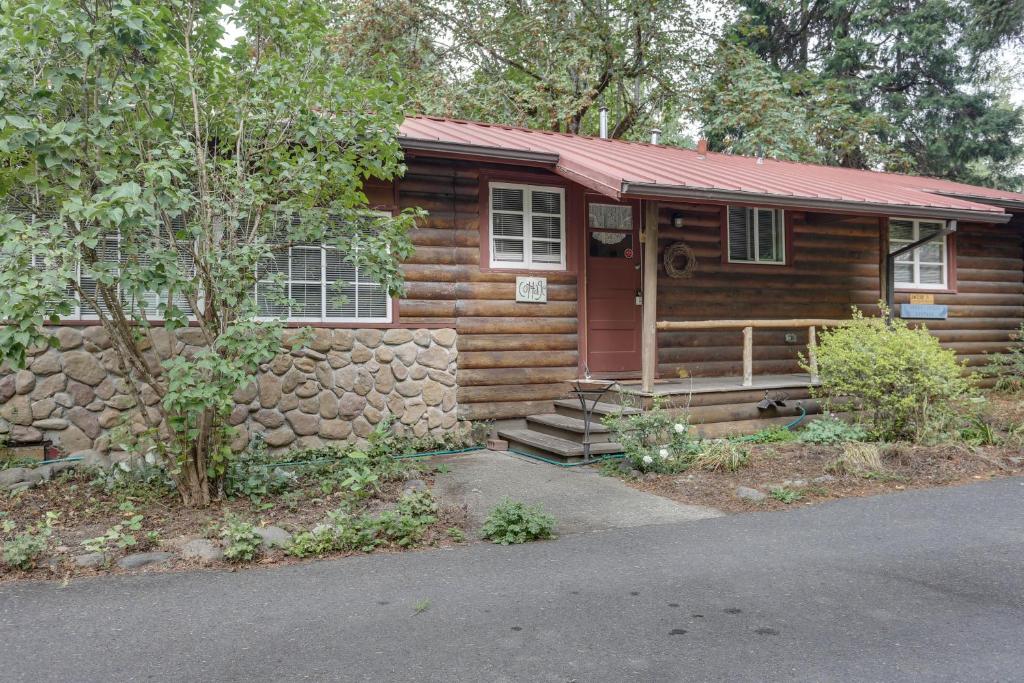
(150, 169)
(874, 77)
(546, 64)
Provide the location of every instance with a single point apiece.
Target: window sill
(751, 266)
(924, 290)
(524, 271)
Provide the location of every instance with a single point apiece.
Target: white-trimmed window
(111, 255)
(527, 226)
(320, 285)
(925, 267)
(757, 235)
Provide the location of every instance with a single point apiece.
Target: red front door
(613, 285)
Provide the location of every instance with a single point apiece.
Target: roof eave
(656, 191)
(1003, 203)
(466, 150)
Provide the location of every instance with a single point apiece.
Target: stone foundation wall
(336, 389)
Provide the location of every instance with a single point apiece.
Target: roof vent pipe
(604, 122)
(655, 135)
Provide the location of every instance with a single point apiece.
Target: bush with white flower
(655, 440)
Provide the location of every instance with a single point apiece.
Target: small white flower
(663, 453)
(680, 428)
(648, 460)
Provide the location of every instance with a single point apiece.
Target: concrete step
(535, 443)
(570, 407)
(569, 428)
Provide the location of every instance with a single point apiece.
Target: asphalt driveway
(923, 585)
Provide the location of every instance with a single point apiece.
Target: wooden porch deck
(712, 385)
(714, 406)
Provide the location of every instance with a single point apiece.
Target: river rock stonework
(338, 388)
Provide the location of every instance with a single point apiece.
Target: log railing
(812, 325)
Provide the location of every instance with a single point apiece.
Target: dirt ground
(780, 465)
(87, 511)
(802, 468)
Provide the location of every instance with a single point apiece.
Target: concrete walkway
(578, 497)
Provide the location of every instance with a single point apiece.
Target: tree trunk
(194, 482)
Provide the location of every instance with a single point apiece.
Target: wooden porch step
(568, 428)
(571, 407)
(546, 445)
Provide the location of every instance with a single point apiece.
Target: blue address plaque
(924, 311)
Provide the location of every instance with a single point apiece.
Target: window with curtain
(925, 267)
(756, 235)
(527, 226)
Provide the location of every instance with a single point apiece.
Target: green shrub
(772, 435)
(513, 522)
(978, 432)
(319, 541)
(1008, 367)
(118, 536)
(252, 475)
(137, 480)
(404, 526)
(903, 381)
(654, 440)
(242, 541)
(830, 429)
(27, 548)
(785, 495)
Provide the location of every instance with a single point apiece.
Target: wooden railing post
(748, 356)
(648, 330)
(812, 352)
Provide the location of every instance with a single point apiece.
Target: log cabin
(691, 275)
(551, 264)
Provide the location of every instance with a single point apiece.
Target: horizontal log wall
(988, 304)
(834, 263)
(513, 357)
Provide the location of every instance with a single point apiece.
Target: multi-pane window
(306, 282)
(316, 283)
(926, 266)
(112, 255)
(527, 226)
(756, 235)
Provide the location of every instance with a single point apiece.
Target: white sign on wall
(531, 290)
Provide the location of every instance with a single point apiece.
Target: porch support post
(648, 333)
(812, 353)
(748, 356)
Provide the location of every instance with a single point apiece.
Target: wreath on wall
(679, 260)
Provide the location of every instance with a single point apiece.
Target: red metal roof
(634, 169)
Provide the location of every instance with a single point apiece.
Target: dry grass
(857, 458)
(721, 456)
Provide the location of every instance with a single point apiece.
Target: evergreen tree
(914, 84)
